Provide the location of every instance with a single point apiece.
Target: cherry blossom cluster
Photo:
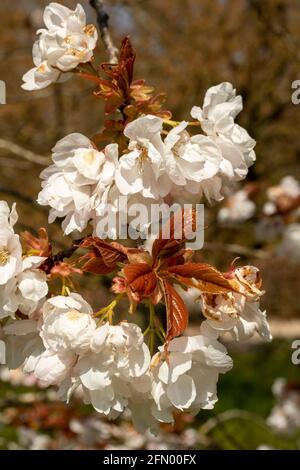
(23, 286)
(61, 341)
(83, 181)
(52, 332)
(66, 42)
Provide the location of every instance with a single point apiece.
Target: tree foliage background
(183, 47)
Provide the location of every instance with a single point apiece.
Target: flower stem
(65, 290)
(108, 311)
(160, 331)
(170, 122)
(154, 328)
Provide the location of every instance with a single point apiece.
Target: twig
(102, 19)
(236, 249)
(60, 256)
(24, 153)
(13, 163)
(227, 415)
(18, 195)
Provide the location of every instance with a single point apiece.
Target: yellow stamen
(41, 68)
(89, 29)
(90, 157)
(74, 315)
(143, 157)
(4, 256)
(76, 53)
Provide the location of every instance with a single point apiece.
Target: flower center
(41, 68)
(143, 157)
(76, 53)
(184, 137)
(89, 30)
(90, 157)
(4, 256)
(74, 315)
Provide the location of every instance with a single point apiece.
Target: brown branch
(60, 256)
(236, 249)
(24, 153)
(25, 199)
(102, 19)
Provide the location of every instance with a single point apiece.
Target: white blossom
(282, 195)
(68, 324)
(10, 246)
(49, 348)
(26, 291)
(192, 162)
(187, 380)
(51, 368)
(237, 208)
(8, 217)
(239, 314)
(220, 107)
(10, 255)
(31, 285)
(66, 42)
(115, 369)
(22, 342)
(232, 313)
(142, 169)
(76, 185)
(8, 305)
(288, 186)
(285, 415)
(290, 244)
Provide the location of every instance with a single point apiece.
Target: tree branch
(24, 153)
(211, 423)
(236, 249)
(25, 199)
(60, 256)
(102, 19)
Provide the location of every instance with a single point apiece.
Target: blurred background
(183, 47)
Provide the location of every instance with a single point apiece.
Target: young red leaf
(174, 233)
(177, 314)
(95, 265)
(39, 244)
(205, 277)
(103, 257)
(140, 278)
(133, 271)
